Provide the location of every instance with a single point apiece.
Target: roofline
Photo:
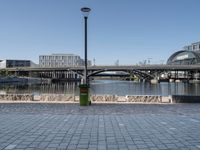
(195, 43)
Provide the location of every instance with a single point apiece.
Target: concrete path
(99, 127)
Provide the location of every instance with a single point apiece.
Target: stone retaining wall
(93, 98)
(16, 97)
(56, 97)
(145, 99)
(130, 98)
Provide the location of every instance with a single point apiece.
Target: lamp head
(85, 11)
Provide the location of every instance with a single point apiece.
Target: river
(110, 87)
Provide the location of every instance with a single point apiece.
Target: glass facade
(17, 63)
(193, 47)
(190, 55)
(184, 58)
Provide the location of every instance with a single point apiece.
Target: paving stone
(101, 147)
(11, 146)
(100, 126)
(22, 146)
(71, 147)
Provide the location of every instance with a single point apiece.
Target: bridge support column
(54, 74)
(65, 75)
(49, 74)
(30, 74)
(177, 81)
(154, 81)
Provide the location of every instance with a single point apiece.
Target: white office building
(60, 60)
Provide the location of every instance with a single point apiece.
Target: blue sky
(126, 30)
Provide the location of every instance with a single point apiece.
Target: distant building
(9, 63)
(193, 47)
(61, 60)
(189, 55)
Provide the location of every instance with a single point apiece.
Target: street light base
(84, 95)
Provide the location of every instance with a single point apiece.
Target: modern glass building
(8, 63)
(190, 55)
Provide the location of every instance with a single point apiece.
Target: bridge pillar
(49, 74)
(30, 74)
(154, 81)
(53, 74)
(67, 75)
(177, 81)
(56, 74)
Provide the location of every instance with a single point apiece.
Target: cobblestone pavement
(99, 127)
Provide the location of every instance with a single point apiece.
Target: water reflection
(105, 87)
(54, 88)
(140, 88)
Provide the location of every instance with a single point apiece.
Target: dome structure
(184, 57)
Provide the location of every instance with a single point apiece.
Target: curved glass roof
(184, 57)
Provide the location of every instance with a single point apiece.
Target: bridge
(147, 72)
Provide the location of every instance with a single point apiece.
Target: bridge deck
(112, 68)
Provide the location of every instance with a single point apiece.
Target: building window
(195, 47)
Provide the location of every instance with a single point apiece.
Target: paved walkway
(99, 127)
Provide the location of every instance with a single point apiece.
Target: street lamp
(85, 11)
(84, 88)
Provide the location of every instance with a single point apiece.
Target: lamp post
(84, 88)
(85, 11)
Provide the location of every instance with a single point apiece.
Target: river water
(111, 87)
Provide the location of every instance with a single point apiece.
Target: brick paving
(99, 127)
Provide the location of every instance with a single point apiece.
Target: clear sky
(126, 30)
